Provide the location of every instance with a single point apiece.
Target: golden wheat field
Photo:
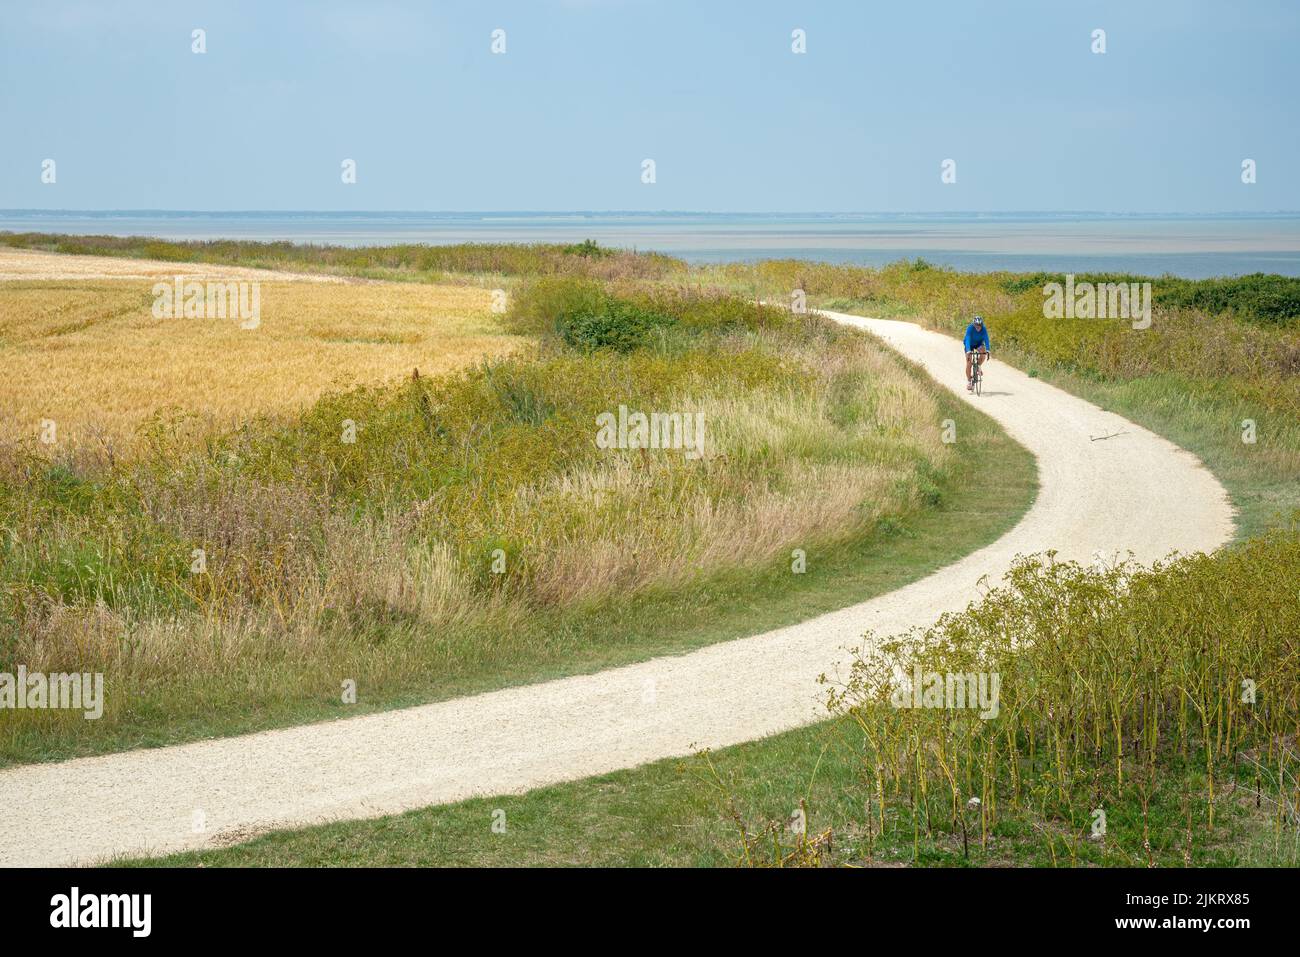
(90, 356)
(16, 263)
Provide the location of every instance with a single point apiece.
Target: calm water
(1065, 242)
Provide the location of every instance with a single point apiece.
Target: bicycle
(977, 360)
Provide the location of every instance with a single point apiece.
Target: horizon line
(668, 212)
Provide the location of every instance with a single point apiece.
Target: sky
(711, 91)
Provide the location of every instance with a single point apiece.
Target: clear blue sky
(710, 90)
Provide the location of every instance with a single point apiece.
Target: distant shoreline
(1191, 246)
(597, 214)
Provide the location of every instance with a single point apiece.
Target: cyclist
(976, 342)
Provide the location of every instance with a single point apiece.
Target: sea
(1192, 246)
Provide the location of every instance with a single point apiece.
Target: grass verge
(1156, 760)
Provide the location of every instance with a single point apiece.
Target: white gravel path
(1134, 492)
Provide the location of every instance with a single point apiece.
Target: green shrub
(588, 249)
(583, 315)
(1108, 678)
(616, 324)
(538, 308)
(520, 396)
(588, 316)
(1260, 298)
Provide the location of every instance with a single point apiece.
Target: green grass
(1200, 413)
(1262, 298)
(1260, 477)
(675, 813)
(1219, 352)
(559, 642)
(1178, 792)
(404, 262)
(670, 814)
(97, 562)
(682, 813)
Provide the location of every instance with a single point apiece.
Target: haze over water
(1194, 246)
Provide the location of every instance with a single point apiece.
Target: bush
(1108, 680)
(616, 324)
(588, 249)
(1260, 298)
(583, 315)
(537, 309)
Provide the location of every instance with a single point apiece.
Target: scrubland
(332, 517)
(1164, 698)
(1217, 371)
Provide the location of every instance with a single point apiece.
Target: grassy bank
(1216, 372)
(471, 533)
(1094, 715)
(407, 262)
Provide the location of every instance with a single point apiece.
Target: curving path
(1134, 492)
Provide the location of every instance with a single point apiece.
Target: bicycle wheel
(979, 378)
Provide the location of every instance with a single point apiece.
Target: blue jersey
(976, 338)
